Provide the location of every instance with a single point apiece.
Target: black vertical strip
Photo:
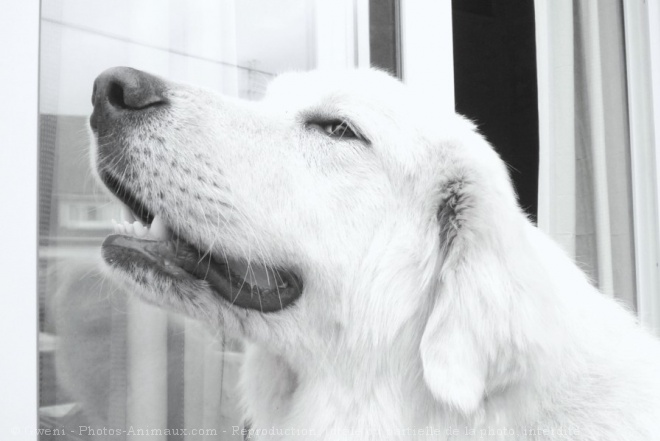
(46, 171)
(176, 342)
(118, 390)
(495, 83)
(384, 35)
(47, 163)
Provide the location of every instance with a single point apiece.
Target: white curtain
(585, 190)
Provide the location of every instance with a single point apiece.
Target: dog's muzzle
(126, 103)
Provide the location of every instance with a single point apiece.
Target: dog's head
(327, 218)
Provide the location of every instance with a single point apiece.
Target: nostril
(127, 89)
(132, 97)
(116, 96)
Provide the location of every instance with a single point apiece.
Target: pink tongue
(254, 274)
(182, 261)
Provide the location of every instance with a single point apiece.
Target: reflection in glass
(109, 363)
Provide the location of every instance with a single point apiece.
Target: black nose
(125, 89)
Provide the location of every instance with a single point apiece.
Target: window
(107, 360)
(495, 71)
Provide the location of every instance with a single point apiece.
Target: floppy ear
(468, 328)
(455, 368)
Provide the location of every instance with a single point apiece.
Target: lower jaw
(180, 261)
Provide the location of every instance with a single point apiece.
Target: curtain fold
(585, 190)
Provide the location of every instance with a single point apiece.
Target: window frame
(427, 51)
(19, 26)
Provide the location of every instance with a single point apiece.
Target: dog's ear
(480, 320)
(454, 366)
(482, 269)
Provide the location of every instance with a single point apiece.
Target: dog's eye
(337, 128)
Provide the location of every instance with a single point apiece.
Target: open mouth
(143, 241)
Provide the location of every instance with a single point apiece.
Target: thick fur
(432, 308)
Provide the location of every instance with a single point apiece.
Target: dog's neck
(342, 392)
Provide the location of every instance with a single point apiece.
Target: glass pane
(384, 35)
(110, 364)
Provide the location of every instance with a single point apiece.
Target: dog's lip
(172, 256)
(177, 259)
(127, 197)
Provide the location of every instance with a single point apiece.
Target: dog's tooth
(126, 214)
(129, 228)
(159, 229)
(115, 226)
(139, 229)
(120, 228)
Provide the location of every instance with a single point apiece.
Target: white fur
(432, 309)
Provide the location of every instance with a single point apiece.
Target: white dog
(372, 252)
